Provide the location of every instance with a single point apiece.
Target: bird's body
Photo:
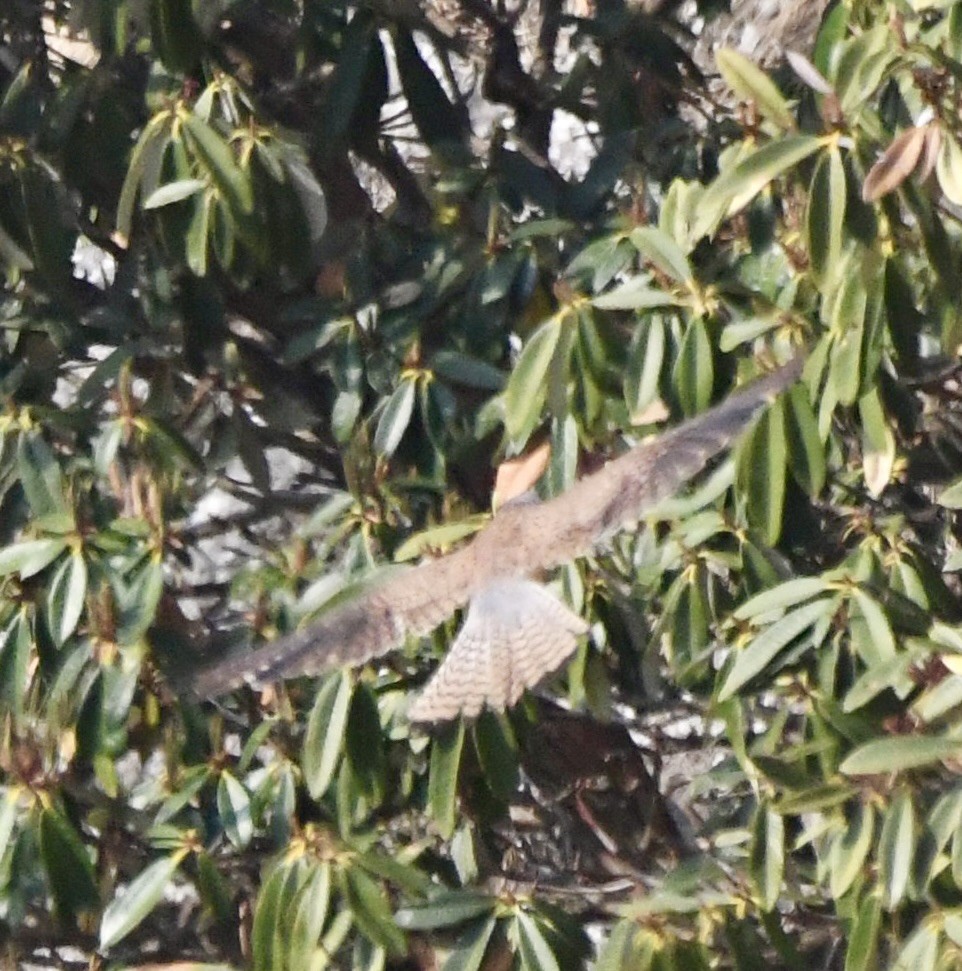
(515, 633)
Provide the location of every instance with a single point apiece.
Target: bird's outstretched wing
(519, 541)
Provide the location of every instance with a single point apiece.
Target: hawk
(515, 633)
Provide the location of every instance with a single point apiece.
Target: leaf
(175, 34)
(694, 374)
(438, 537)
(217, 159)
(347, 83)
(65, 599)
(645, 358)
(896, 848)
(469, 371)
(921, 951)
(536, 953)
(760, 472)
(440, 122)
(173, 192)
(736, 187)
(324, 738)
(900, 753)
(446, 909)
(40, 475)
(310, 915)
(30, 557)
(850, 849)
(948, 169)
(826, 215)
(370, 910)
(234, 809)
(137, 900)
(765, 647)
(395, 417)
(863, 939)
(497, 753)
(637, 293)
(787, 594)
(527, 386)
(752, 84)
(663, 252)
(888, 673)
(469, 951)
(443, 777)
(767, 863)
(520, 474)
(364, 741)
(806, 454)
(895, 165)
(70, 873)
(878, 444)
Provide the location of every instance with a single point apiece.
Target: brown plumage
(515, 633)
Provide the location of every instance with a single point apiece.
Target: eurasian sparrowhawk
(516, 632)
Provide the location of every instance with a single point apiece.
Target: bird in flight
(516, 632)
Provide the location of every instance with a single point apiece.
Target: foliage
(233, 387)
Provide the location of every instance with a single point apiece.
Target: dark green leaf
(324, 739)
(137, 900)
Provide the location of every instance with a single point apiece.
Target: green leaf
(173, 192)
(899, 753)
(888, 673)
(921, 950)
(137, 900)
(443, 777)
(40, 475)
(371, 912)
(863, 940)
(446, 909)
(536, 953)
(806, 454)
(896, 849)
(826, 215)
(311, 911)
(737, 186)
(948, 169)
(468, 954)
(663, 252)
(766, 646)
(497, 753)
(850, 849)
(751, 83)
(645, 358)
(234, 809)
(69, 870)
(878, 444)
(324, 738)
(760, 472)
(527, 386)
(66, 597)
(694, 374)
(469, 371)
(637, 293)
(951, 498)
(175, 34)
(30, 557)
(364, 741)
(767, 864)
(218, 161)
(347, 83)
(440, 122)
(395, 417)
(787, 594)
